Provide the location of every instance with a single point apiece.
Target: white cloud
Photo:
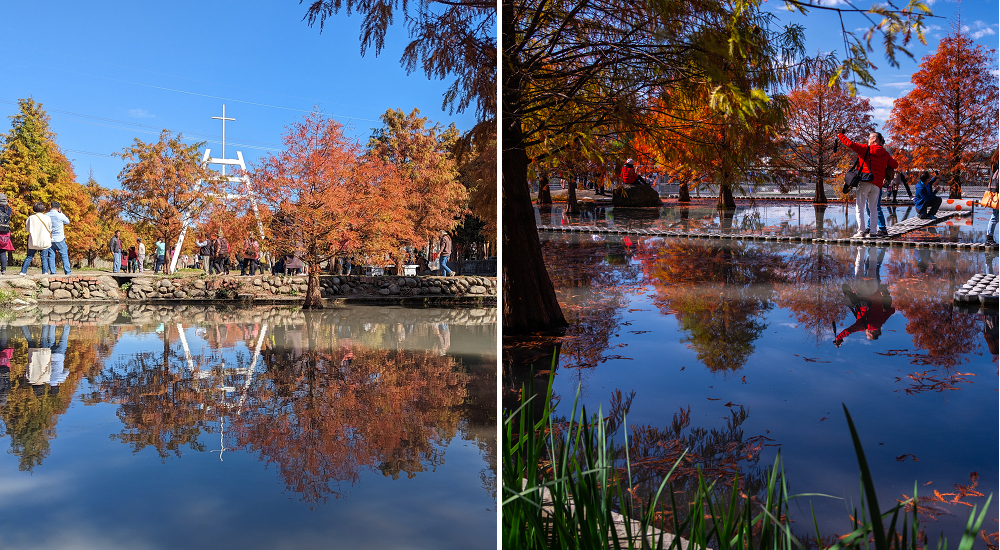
(978, 29)
(881, 101)
(882, 106)
(140, 113)
(906, 84)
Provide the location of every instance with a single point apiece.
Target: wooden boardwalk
(906, 226)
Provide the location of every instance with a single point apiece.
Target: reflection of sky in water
(762, 317)
(767, 217)
(91, 491)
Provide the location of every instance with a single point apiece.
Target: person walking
(116, 251)
(140, 250)
(993, 187)
(873, 160)
(39, 227)
(445, 248)
(221, 254)
(6, 244)
(58, 239)
(924, 198)
(161, 256)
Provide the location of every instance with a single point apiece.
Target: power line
(214, 96)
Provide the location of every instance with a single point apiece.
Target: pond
(270, 427)
(737, 350)
(790, 219)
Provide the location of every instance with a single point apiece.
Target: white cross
(223, 119)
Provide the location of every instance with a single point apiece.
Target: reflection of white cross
(223, 119)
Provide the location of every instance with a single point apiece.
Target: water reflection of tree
(592, 279)
(719, 294)
(323, 414)
(814, 295)
(161, 402)
(31, 413)
(948, 336)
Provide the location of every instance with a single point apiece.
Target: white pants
(867, 192)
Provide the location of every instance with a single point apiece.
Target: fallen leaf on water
(731, 404)
(814, 360)
(711, 399)
(822, 419)
(902, 457)
(744, 379)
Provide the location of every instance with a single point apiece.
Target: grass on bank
(569, 465)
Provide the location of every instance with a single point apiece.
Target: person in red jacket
(629, 175)
(874, 159)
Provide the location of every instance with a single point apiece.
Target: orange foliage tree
(709, 143)
(327, 198)
(816, 111)
(163, 184)
(949, 119)
(432, 196)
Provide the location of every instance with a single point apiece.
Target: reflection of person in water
(6, 352)
(444, 336)
(46, 357)
(991, 331)
(869, 299)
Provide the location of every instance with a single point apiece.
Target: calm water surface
(196, 427)
(738, 350)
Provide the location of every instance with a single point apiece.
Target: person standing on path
(205, 252)
(220, 251)
(994, 185)
(251, 257)
(445, 252)
(39, 227)
(116, 251)
(873, 160)
(58, 239)
(161, 256)
(6, 244)
(140, 249)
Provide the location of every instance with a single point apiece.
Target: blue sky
(979, 18)
(112, 71)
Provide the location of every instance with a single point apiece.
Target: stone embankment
(122, 313)
(261, 289)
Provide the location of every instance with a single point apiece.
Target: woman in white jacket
(39, 227)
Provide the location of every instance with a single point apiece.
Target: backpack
(223, 247)
(4, 221)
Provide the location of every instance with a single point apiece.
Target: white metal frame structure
(223, 161)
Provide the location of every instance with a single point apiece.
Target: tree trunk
(529, 300)
(314, 300)
(683, 194)
(544, 193)
(820, 197)
(571, 206)
(726, 200)
(955, 192)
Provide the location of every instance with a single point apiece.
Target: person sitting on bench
(924, 199)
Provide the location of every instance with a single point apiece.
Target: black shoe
(990, 241)
(882, 234)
